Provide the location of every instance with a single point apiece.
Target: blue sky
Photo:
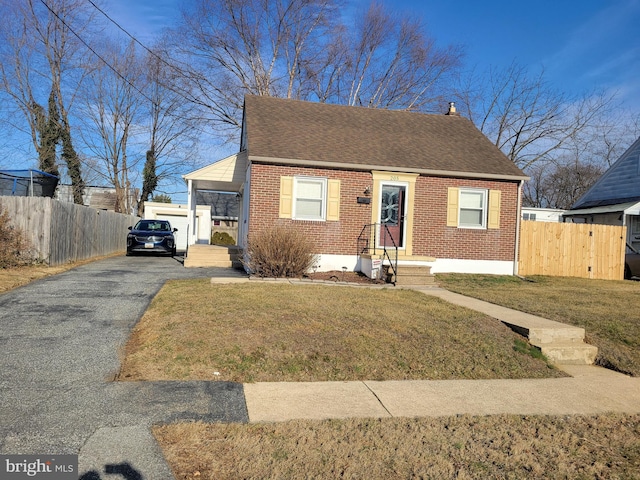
(583, 45)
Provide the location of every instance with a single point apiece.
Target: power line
(154, 54)
(118, 73)
(112, 68)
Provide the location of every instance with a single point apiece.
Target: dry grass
(464, 447)
(608, 310)
(281, 332)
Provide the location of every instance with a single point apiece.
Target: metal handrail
(373, 233)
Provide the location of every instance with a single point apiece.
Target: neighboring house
(100, 198)
(450, 198)
(615, 198)
(542, 214)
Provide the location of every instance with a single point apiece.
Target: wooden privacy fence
(64, 232)
(572, 250)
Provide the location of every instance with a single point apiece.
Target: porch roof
(226, 175)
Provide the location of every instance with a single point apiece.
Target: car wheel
(627, 272)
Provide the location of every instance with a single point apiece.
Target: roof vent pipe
(452, 109)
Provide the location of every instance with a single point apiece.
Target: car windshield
(153, 225)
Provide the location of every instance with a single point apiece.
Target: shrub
(15, 249)
(279, 251)
(222, 238)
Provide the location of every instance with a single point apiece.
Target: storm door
(392, 214)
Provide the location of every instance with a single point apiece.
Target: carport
(224, 176)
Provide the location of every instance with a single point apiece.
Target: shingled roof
(305, 133)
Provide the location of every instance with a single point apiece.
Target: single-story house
(358, 180)
(538, 214)
(615, 198)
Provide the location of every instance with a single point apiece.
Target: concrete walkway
(590, 390)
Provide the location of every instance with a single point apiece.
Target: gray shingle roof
(619, 184)
(354, 137)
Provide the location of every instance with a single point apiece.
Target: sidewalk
(590, 390)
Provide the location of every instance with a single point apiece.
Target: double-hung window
(473, 204)
(309, 198)
(473, 208)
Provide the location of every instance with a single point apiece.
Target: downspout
(518, 221)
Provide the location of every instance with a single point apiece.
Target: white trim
(387, 168)
(484, 209)
(323, 198)
(454, 265)
(327, 262)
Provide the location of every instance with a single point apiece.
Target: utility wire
(112, 68)
(154, 54)
(118, 73)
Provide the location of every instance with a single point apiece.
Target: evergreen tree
(73, 165)
(149, 178)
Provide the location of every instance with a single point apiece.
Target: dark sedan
(631, 262)
(151, 236)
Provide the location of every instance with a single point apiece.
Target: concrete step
(414, 275)
(212, 256)
(569, 353)
(565, 334)
(414, 280)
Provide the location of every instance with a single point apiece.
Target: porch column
(191, 213)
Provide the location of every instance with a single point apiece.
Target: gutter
(396, 168)
(516, 249)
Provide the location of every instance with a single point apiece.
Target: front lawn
(280, 332)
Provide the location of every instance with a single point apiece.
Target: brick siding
(431, 236)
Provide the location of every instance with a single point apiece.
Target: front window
(310, 198)
(473, 204)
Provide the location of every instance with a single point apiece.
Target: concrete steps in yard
(200, 255)
(414, 275)
(562, 344)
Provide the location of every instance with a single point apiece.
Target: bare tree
(389, 62)
(112, 107)
(559, 186)
(172, 134)
(303, 49)
(525, 117)
(40, 54)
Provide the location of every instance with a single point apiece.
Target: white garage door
(180, 222)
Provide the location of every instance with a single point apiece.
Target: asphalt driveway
(60, 340)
